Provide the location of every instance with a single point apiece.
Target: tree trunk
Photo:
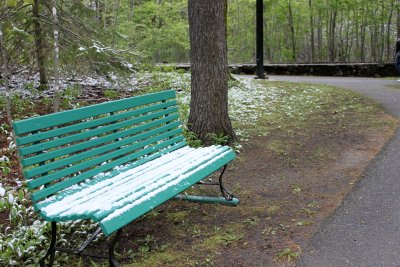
(382, 34)
(56, 98)
(349, 42)
(398, 18)
(116, 12)
(131, 9)
(312, 58)
(332, 31)
(389, 51)
(209, 70)
(362, 35)
(39, 45)
(319, 36)
(291, 27)
(5, 75)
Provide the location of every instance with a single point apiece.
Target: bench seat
(119, 197)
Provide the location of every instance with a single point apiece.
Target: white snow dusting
(135, 184)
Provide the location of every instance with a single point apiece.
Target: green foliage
(26, 238)
(219, 139)
(347, 44)
(69, 96)
(21, 106)
(2, 102)
(288, 254)
(191, 138)
(111, 94)
(115, 37)
(5, 167)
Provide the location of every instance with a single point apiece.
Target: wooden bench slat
(131, 185)
(59, 118)
(90, 124)
(95, 142)
(151, 189)
(130, 212)
(93, 132)
(93, 157)
(117, 183)
(88, 174)
(99, 183)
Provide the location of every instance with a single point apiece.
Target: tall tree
(209, 70)
(56, 101)
(312, 57)
(131, 9)
(5, 74)
(39, 45)
(398, 18)
(291, 27)
(331, 32)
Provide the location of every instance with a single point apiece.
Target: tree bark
(209, 70)
(363, 34)
(5, 75)
(116, 12)
(291, 27)
(319, 36)
(39, 46)
(398, 19)
(312, 58)
(332, 31)
(389, 50)
(131, 9)
(56, 97)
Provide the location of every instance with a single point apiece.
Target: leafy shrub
(111, 94)
(26, 239)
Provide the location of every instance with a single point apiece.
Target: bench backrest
(65, 148)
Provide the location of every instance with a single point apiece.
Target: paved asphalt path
(365, 230)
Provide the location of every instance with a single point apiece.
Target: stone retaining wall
(322, 69)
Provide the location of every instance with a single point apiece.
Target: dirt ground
(293, 199)
(284, 196)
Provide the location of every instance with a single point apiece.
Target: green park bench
(111, 163)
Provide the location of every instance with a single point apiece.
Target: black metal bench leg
(225, 193)
(111, 246)
(52, 249)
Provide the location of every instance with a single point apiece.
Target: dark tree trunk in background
(209, 68)
(332, 35)
(312, 57)
(131, 9)
(398, 19)
(5, 74)
(39, 45)
(260, 39)
(389, 51)
(291, 27)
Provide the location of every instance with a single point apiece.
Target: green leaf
(21, 195)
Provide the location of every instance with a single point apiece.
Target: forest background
(106, 35)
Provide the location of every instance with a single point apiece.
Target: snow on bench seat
(115, 201)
